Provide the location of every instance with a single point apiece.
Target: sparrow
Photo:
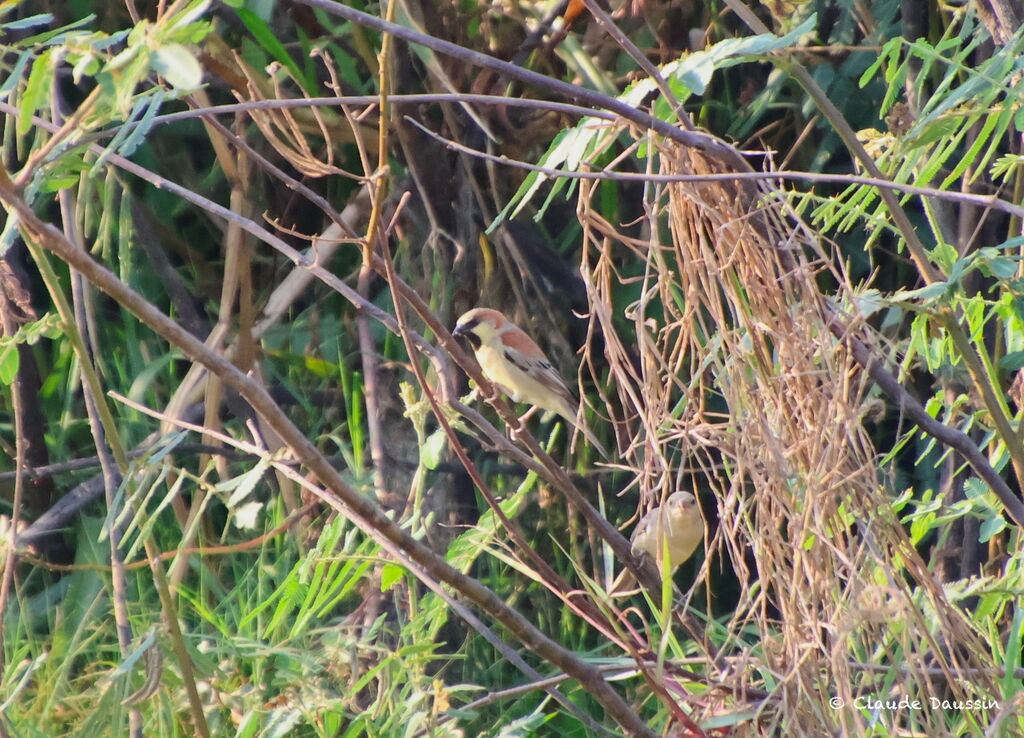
(518, 367)
(675, 527)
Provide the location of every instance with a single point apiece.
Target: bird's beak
(466, 331)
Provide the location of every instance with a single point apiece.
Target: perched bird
(513, 362)
(676, 527)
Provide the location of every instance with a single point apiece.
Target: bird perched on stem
(513, 362)
(674, 528)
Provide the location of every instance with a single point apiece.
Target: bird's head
(480, 326)
(680, 501)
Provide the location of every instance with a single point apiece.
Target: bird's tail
(566, 411)
(594, 442)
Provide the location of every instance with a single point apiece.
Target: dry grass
(741, 392)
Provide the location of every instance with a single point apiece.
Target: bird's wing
(525, 355)
(521, 352)
(642, 539)
(517, 340)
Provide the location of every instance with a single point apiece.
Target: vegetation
(247, 491)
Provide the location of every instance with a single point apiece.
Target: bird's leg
(514, 431)
(526, 416)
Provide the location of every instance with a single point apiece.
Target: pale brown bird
(674, 528)
(513, 362)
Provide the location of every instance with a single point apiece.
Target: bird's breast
(500, 371)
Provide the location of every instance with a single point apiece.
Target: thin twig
(111, 476)
(376, 186)
(10, 327)
(91, 462)
(700, 141)
(642, 61)
(220, 550)
(604, 174)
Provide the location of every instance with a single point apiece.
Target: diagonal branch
(344, 497)
(701, 141)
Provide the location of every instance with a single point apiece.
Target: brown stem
(10, 327)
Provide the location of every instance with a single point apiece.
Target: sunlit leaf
(177, 65)
(991, 527)
(390, 575)
(9, 362)
(433, 448)
(37, 91)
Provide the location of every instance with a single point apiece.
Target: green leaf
(975, 489)
(43, 19)
(247, 515)
(130, 135)
(1000, 267)
(137, 133)
(696, 71)
(729, 719)
(121, 75)
(125, 667)
(390, 575)
(15, 74)
(889, 51)
(920, 527)
(54, 36)
(433, 448)
(243, 484)
(1013, 242)
(635, 93)
(782, 42)
(990, 527)
(869, 302)
(272, 45)
(37, 91)
(9, 362)
(1011, 686)
(58, 183)
(1012, 361)
(165, 446)
(47, 326)
(932, 131)
(176, 64)
(945, 255)
(553, 158)
(924, 294)
(188, 33)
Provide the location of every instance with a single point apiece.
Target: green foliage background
(269, 614)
